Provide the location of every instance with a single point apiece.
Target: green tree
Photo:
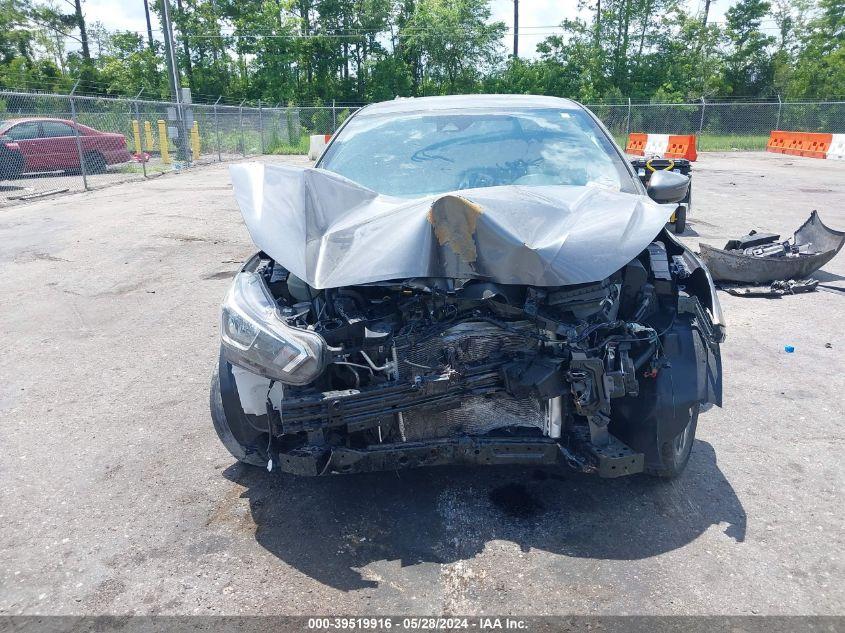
(819, 70)
(451, 43)
(316, 51)
(127, 65)
(749, 69)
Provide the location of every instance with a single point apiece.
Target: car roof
(33, 119)
(458, 102)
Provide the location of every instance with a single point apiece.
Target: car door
(27, 135)
(60, 144)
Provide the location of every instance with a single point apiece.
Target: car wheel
(95, 163)
(224, 430)
(11, 169)
(674, 453)
(680, 219)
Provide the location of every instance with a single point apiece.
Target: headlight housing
(255, 336)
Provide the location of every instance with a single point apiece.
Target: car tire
(223, 428)
(95, 163)
(12, 168)
(680, 219)
(675, 453)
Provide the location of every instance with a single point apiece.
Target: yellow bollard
(162, 141)
(148, 136)
(136, 134)
(195, 140)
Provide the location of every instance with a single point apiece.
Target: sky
(535, 17)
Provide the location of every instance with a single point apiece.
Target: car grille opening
(469, 342)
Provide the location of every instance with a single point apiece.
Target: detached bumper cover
(822, 242)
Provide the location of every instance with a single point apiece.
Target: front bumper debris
(764, 259)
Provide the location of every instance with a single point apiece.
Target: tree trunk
(345, 47)
(622, 81)
(83, 33)
(598, 24)
(646, 18)
(617, 46)
(362, 77)
(149, 25)
(358, 71)
(60, 58)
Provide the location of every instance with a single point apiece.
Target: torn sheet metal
(814, 244)
(331, 232)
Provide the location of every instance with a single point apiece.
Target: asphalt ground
(116, 496)
(34, 186)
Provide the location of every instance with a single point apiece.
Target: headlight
(256, 338)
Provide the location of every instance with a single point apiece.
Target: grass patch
(719, 142)
(289, 148)
(152, 168)
(728, 142)
(706, 143)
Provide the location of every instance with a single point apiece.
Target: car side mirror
(665, 187)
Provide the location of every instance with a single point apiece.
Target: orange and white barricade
(662, 145)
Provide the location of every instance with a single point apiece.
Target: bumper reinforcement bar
(322, 460)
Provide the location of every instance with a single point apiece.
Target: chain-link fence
(723, 126)
(51, 144)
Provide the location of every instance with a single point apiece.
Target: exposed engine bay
(425, 371)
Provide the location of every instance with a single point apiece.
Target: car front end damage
(497, 288)
(605, 377)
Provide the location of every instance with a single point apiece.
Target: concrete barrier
(317, 145)
(663, 145)
(807, 144)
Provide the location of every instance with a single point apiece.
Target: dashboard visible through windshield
(415, 154)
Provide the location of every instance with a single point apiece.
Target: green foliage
(749, 65)
(317, 51)
(297, 146)
(819, 70)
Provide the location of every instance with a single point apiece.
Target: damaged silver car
(465, 280)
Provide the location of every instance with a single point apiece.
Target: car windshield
(420, 153)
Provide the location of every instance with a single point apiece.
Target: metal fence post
(76, 134)
(143, 155)
(241, 123)
(217, 129)
(261, 126)
(334, 117)
(780, 105)
(628, 122)
(281, 132)
(701, 122)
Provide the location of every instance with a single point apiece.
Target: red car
(50, 145)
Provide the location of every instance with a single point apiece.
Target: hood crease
(332, 232)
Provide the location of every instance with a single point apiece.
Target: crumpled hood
(331, 232)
